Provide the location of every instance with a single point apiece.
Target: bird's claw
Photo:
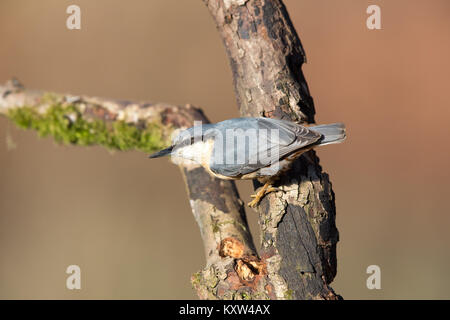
(260, 194)
(253, 203)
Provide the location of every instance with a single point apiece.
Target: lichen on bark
(66, 123)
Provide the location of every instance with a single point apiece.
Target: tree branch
(298, 229)
(123, 125)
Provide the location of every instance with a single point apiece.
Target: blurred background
(126, 221)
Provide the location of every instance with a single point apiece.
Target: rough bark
(298, 229)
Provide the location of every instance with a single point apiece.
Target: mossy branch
(66, 124)
(85, 121)
(124, 125)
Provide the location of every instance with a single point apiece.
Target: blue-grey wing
(246, 145)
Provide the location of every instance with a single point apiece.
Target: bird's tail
(332, 133)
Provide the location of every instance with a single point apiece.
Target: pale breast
(197, 153)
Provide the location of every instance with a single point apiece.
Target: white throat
(198, 152)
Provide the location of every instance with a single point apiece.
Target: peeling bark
(298, 229)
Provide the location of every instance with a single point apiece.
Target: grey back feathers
(275, 139)
(256, 143)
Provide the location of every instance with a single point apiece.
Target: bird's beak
(162, 153)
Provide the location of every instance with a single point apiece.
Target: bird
(249, 148)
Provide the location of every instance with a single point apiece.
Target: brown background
(126, 220)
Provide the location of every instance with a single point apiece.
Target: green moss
(245, 296)
(211, 280)
(196, 279)
(66, 125)
(217, 225)
(288, 294)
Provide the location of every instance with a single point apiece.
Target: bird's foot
(267, 188)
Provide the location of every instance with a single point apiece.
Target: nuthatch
(249, 148)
